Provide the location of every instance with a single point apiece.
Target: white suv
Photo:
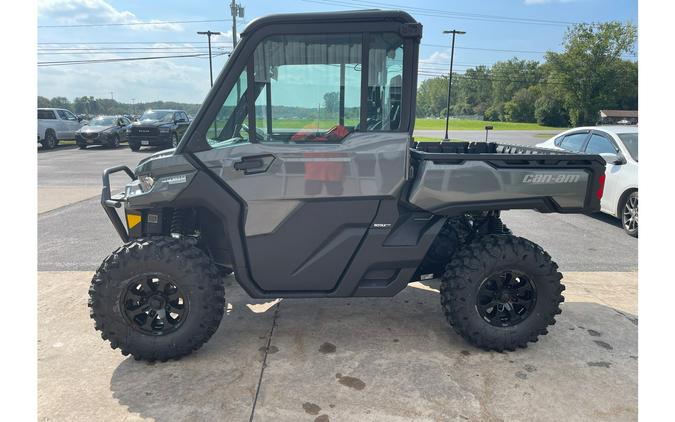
(55, 124)
(618, 145)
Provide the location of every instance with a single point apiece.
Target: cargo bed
(455, 177)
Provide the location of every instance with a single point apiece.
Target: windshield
(104, 121)
(630, 140)
(162, 116)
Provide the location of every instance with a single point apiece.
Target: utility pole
(236, 10)
(452, 56)
(208, 34)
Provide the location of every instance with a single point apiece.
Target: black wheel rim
(506, 298)
(630, 214)
(153, 304)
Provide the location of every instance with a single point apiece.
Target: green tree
(591, 67)
(43, 102)
(549, 109)
(521, 107)
(432, 97)
(331, 101)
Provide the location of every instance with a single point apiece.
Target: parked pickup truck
(56, 124)
(158, 128)
(341, 204)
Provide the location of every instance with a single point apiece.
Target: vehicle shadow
(606, 218)
(59, 147)
(401, 361)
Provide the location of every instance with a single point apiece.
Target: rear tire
(477, 278)
(157, 298)
(134, 146)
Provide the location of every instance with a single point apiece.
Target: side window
(229, 126)
(573, 142)
(62, 114)
(599, 145)
(184, 117)
(69, 115)
(385, 74)
(307, 87)
(46, 114)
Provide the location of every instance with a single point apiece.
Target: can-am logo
(550, 178)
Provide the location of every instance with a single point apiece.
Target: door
(599, 143)
(311, 136)
(181, 123)
(69, 123)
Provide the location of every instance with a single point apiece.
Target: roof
(609, 128)
(618, 113)
(328, 17)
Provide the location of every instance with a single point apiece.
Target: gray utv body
(368, 233)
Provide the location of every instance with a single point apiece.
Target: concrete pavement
(346, 359)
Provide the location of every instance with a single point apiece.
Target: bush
(550, 111)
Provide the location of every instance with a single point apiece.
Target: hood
(150, 123)
(91, 129)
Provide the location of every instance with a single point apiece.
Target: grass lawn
(457, 124)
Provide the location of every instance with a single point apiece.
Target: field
(458, 124)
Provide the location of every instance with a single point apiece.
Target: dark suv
(158, 128)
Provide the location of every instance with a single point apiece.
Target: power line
(131, 42)
(86, 25)
(446, 13)
(126, 59)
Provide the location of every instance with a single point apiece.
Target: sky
(526, 28)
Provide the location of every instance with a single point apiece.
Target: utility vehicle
(300, 175)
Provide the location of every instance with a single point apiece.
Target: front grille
(90, 135)
(144, 131)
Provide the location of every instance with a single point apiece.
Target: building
(613, 117)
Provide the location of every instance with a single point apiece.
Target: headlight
(146, 183)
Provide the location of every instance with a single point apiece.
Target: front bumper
(151, 140)
(99, 139)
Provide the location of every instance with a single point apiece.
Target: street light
(452, 56)
(208, 34)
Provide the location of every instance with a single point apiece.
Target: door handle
(254, 164)
(248, 164)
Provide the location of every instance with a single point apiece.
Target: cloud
(536, 2)
(74, 12)
(182, 79)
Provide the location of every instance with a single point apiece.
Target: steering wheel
(259, 134)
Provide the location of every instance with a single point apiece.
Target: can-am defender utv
(299, 174)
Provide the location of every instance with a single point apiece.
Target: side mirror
(79, 119)
(611, 158)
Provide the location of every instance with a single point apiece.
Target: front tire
(115, 142)
(157, 298)
(134, 146)
(501, 292)
(629, 214)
